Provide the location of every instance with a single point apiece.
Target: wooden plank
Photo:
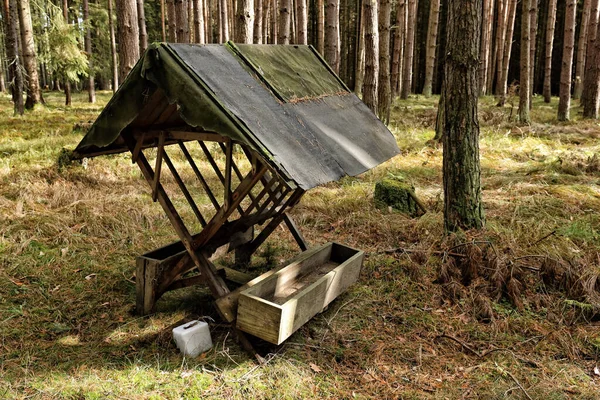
(138, 148)
(293, 228)
(199, 175)
(261, 194)
(184, 189)
(228, 170)
(157, 168)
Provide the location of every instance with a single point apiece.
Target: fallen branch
(463, 344)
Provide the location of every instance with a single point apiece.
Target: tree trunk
(266, 15)
(67, 87)
(274, 22)
(88, 50)
(199, 21)
(113, 48)
(590, 58)
(245, 21)
(524, 84)
(398, 55)
(359, 77)
(566, 70)
(409, 49)
(332, 35)
(258, 22)
(129, 36)
(550, 26)
(384, 90)
(371, 54)
(582, 49)
(321, 26)
(491, 63)
(12, 53)
(172, 21)
(484, 51)
(142, 26)
(533, 28)
(181, 21)
(34, 94)
(302, 18)
(510, 27)
(432, 30)
(500, 41)
(162, 21)
(463, 207)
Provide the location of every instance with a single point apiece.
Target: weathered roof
(282, 101)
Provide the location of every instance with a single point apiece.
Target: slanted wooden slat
(228, 168)
(199, 175)
(138, 147)
(157, 168)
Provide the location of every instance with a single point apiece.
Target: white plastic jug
(193, 338)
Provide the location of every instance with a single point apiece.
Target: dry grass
(472, 315)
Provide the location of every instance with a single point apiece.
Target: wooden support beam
(228, 170)
(184, 189)
(298, 237)
(258, 198)
(272, 197)
(157, 168)
(199, 175)
(181, 134)
(138, 147)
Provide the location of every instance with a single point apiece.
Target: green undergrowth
(69, 238)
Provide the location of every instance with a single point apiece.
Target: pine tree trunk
(463, 207)
(284, 21)
(181, 21)
(590, 60)
(129, 36)
(398, 55)
(484, 52)
(550, 26)
(29, 58)
(113, 48)
(332, 35)
(88, 50)
(266, 15)
(190, 14)
(510, 28)
(491, 64)
(274, 22)
(524, 84)
(434, 16)
(67, 85)
(359, 77)
(371, 54)
(162, 21)
(142, 26)
(258, 22)
(172, 21)
(566, 70)
(292, 21)
(320, 26)
(533, 28)
(409, 50)
(245, 21)
(10, 18)
(500, 41)
(199, 21)
(582, 49)
(302, 17)
(384, 90)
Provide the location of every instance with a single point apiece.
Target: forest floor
(412, 327)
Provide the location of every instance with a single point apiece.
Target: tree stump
(399, 196)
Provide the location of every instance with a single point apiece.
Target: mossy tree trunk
(458, 117)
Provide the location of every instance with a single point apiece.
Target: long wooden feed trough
(279, 303)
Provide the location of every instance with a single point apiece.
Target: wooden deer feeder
(267, 124)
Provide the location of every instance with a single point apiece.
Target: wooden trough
(229, 137)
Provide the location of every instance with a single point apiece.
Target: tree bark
(34, 95)
(590, 60)
(12, 53)
(371, 54)
(302, 18)
(199, 21)
(590, 99)
(359, 77)
(172, 21)
(463, 207)
(181, 21)
(524, 84)
(245, 21)
(533, 28)
(582, 49)
(500, 41)
(162, 21)
(129, 36)
(65, 9)
(564, 103)
(142, 26)
(284, 21)
(113, 48)
(491, 64)
(432, 30)
(484, 51)
(321, 27)
(384, 98)
(398, 55)
(88, 50)
(550, 26)
(258, 21)
(512, 12)
(332, 35)
(409, 49)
